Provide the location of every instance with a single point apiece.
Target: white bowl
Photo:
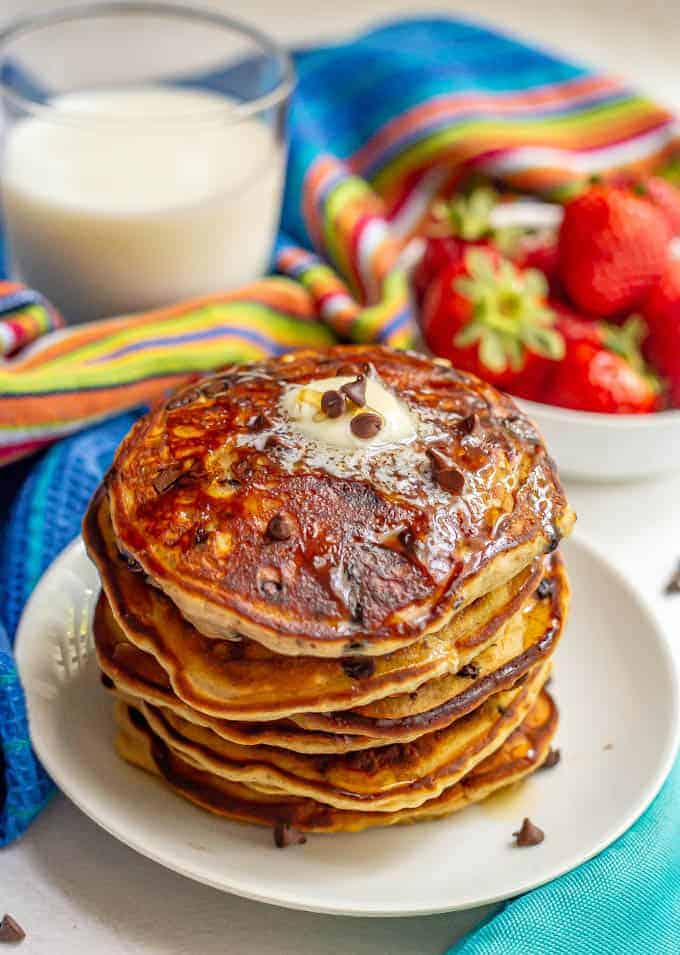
(608, 447)
(585, 445)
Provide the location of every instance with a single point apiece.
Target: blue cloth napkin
(627, 900)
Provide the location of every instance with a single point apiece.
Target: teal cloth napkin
(625, 901)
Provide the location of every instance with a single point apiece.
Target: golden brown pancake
(381, 779)
(530, 636)
(522, 752)
(380, 552)
(246, 681)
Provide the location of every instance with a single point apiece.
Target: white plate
(615, 684)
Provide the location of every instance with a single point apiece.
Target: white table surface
(75, 888)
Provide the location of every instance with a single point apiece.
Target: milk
(132, 201)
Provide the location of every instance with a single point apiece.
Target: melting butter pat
(302, 404)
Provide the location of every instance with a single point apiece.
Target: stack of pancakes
(331, 637)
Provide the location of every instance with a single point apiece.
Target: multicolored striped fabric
(379, 126)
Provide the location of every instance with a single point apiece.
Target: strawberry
(540, 252)
(455, 226)
(591, 378)
(613, 247)
(665, 196)
(662, 314)
(491, 319)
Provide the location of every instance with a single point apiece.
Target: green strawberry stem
(509, 313)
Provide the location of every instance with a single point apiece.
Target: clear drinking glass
(143, 154)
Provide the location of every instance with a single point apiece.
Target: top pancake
(380, 553)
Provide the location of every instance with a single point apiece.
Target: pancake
(523, 751)
(244, 680)
(530, 636)
(383, 544)
(380, 780)
(527, 638)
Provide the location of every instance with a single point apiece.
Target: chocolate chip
(468, 425)
(269, 582)
(106, 681)
(353, 646)
(358, 668)
(131, 562)
(553, 543)
(332, 403)
(451, 479)
(167, 477)
(10, 930)
(200, 536)
(213, 387)
(182, 399)
(356, 391)
(280, 528)
(286, 835)
(366, 425)
(274, 441)
(673, 585)
(260, 422)
(469, 671)
(546, 588)
(406, 538)
(438, 458)
(528, 835)
(237, 649)
(345, 370)
(552, 759)
(137, 718)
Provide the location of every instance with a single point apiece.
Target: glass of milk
(143, 154)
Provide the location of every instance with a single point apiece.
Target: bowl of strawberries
(573, 308)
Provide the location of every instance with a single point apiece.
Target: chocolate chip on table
(552, 759)
(358, 668)
(366, 425)
(280, 528)
(545, 589)
(356, 391)
(286, 835)
(10, 930)
(673, 585)
(167, 477)
(469, 671)
(528, 835)
(332, 403)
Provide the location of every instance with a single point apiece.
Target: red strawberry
(662, 315)
(596, 379)
(665, 196)
(613, 247)
(455, 226)
(540, 252)
(491, 319)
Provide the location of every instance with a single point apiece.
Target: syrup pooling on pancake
(250, 524)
